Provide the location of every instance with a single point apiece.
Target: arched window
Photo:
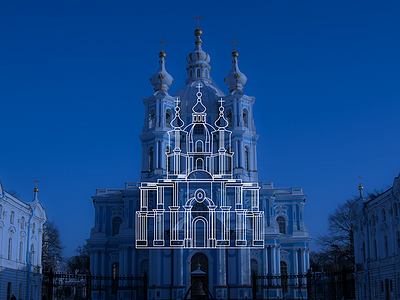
(168, 117)
(395, 211)
(284, 280)
(398, 241)
(199, 164)
(12, 216)
(32, 255)
(245, 118)
(9, 248)
(116, 224)
(190, 73)
(246, 159)
(282, 224)
(229, 117)
(199, 146)
(151, 119)
(363, 251)
(254, 266)
(33, 228)
(200, 259)
(151, 159)
(373, 220)
(114, 280)
(1, 212)
(375, 250)
(21, 251)
(383, 215)
(22, 223)
(385, 240)
(198, 73)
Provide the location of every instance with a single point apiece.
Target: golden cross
(198, 18)
(36, 181)
(162, 44)
(234, 43)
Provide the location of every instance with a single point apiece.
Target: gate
(310, 286)
(86, 286)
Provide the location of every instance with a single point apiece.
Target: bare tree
(52, 248)
(80, 262)
(338, 244)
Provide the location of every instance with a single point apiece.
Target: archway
(200, 233)
(200, 258)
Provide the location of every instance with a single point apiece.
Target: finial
(198, 18)
(234, 52)
(162, 52)
(35, 190)
(360, 188)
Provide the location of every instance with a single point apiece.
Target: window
(168, 118)
(198, 72)
(229, 117)
(33, 228)
(1, 212)
(383, 215)
(246, 159)
(363, 251)
(395, 211)
(191, 73)
(245, 118)
(21, 251)
(385, 240)
(373, 220)
(375, 251)
(12, 216)
(116, 224)
(151, 119)
(32, 255)
(114, 280)
(9, 248)
(254, 266)
(284, 280)
(199, 146)
(282, 224)
(151, 159)
(398, 240)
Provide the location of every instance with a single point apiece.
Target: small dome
(161, 80)
(198, 61)
(235, 80)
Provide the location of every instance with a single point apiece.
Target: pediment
(115, 255)
(383, 227)
(281, 207)
(117, 211)
(395, 221)
(12, 229)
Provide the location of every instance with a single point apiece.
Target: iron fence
(57, 286)
(310, 286)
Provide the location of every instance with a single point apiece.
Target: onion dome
(198, 61)
(199, 110)
(235, 80)
(161, 80)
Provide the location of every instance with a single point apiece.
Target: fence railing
(87, 286)
(310, 286)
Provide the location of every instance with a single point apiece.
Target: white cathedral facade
(21, 229)
(199, 201)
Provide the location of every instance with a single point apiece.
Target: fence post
(88, 286)
(344, 282)
(309, 288)
(145, 286)
(254, 281)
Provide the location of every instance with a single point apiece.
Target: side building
(199, 201)
(21, 228)
(377, 244)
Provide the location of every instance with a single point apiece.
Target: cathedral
(199, 204)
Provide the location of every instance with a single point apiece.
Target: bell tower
(159, 110)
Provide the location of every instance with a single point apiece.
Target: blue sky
(325, 75)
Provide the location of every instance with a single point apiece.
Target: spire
(235, 80)
(199, 110)
(360, 188)
(161, 80)
(221, 122)
(36, 190)
(198, 59)
(177, 122)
